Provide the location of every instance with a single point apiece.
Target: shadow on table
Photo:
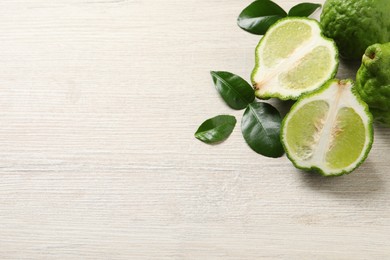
(364, 182)
(384, 133)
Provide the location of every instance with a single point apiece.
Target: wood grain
(99, 103)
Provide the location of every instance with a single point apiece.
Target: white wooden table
(99, 101)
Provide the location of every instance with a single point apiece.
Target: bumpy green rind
(257, 63)
(373, 81)
(319, 91)
(356, 24)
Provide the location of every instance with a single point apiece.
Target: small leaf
(303, 9)
(216, 129)
(236, 92)
(260, 127)
(257, 17)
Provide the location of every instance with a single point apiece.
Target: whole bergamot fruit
(356, 24)
(373, 81)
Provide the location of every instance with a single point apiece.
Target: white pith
(337, 97)
(266, 78)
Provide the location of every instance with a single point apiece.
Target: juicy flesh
(348, 138)
(306, 72)
(294, 33)
(328, 130)
(303, 135)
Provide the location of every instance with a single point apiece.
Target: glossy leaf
(236, 92)
(216, 129)
(257, 17)
(260, 127)
(303, 9)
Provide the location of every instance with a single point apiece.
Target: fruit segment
(295, 33)
(329, 130)
(306, 72)
(303, 135)
(347, 132)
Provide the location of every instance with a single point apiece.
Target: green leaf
(236, 92)
(216, 129)
(260, 127)
(303, 9)
(257, 17)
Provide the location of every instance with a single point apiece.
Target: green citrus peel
(373, 81)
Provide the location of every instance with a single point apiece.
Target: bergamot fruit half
(293, 58)
(329, 130)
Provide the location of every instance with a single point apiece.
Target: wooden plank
(99, 103)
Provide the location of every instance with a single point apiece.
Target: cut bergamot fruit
(329, 130)
(293, 58)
